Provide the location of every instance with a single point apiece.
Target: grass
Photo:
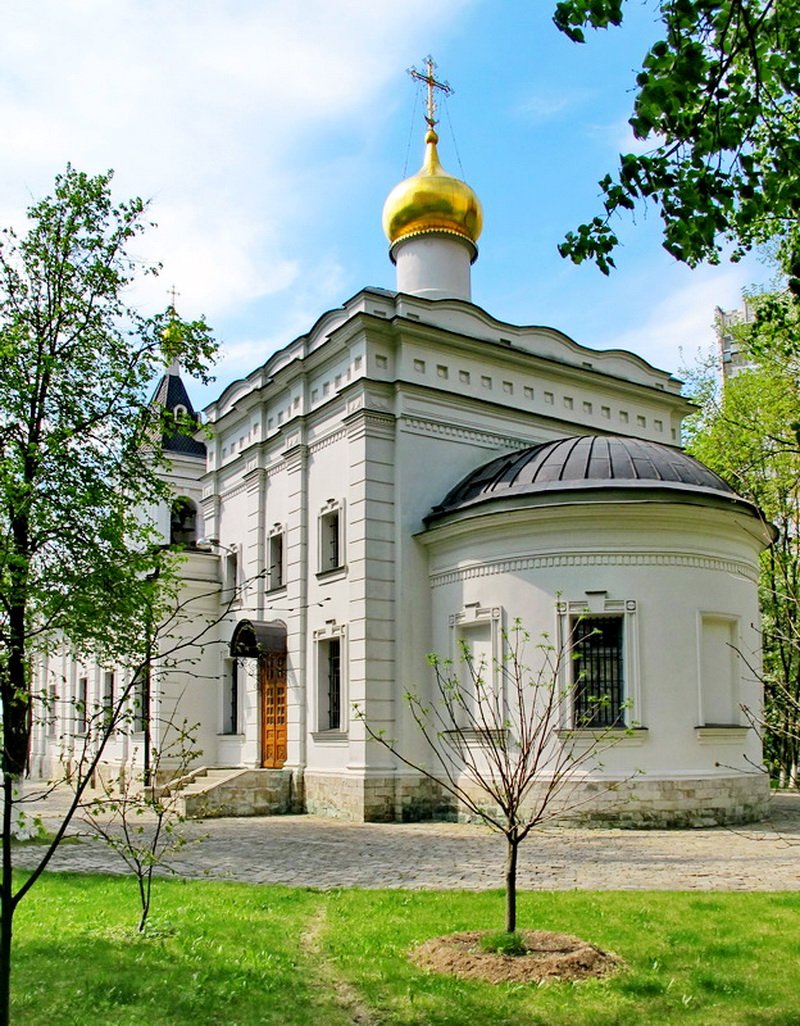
(503, 943)
(242, 955)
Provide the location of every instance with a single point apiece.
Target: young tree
(718, 97)
(77, 459)
(141, 821)
(747, 431)
(510, 745)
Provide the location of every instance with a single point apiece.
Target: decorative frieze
(488, 439)
(593, 559)
(328, 440)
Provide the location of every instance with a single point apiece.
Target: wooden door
(273, 709)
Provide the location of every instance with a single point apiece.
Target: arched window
(179, 413)
(183, 523)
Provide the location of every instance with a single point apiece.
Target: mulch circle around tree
(549, 957)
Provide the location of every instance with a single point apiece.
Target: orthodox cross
(173, 292)
(432, 85)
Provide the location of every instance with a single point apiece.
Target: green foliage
(717, 96)
(80, 569)
(77, 459)
(748, 433)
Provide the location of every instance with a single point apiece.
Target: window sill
(727, 733)
(626, 736)
(334, 574)
(477, 738)
(277, 590)
(329, 737)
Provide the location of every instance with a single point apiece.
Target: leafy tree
(499, 742)
(717, 96)
(747, 431)
(77, 459)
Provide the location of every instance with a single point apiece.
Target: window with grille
(598, 684)
(330, 684)
(334, 685)
(230, 698)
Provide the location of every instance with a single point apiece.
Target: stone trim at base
(639, 803)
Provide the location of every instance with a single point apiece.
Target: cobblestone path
(310, 851)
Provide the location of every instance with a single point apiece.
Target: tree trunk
(511, 882)
(6, 903)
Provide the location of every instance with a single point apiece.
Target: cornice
(416, 425)
(515, 564)
(328, 440)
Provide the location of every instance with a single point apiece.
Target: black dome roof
(585, 464)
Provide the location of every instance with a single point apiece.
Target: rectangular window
(108, 691)
(275, 575)
(597, 671)
(231, 577)
(141, 695)
(477, 708)
(330, 679)
(230, 697)
(719, 670)
(81, 704)
(52, 699)
(330, 540)
(108, 696)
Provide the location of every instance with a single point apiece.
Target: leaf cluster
(717, 96)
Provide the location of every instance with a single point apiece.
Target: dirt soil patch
(549, 957)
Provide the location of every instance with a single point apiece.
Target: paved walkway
(311, 851)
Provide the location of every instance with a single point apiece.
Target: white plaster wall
(673, 561)
(434, 266)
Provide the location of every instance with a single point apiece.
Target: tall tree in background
(717, 95)
(77, 459)
(747, 431)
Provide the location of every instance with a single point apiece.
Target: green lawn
(234, 955)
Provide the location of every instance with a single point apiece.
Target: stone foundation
(376, 799)
(641, 803)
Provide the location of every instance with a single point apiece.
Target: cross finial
(432, 84)
(173, 294)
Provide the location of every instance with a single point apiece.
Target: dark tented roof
(252, 638)
(589, 463)
(170, 393)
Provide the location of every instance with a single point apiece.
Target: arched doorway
(266, 642)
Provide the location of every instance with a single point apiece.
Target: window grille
(597, 671)
(334, 685)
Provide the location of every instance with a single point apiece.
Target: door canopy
(253, 638)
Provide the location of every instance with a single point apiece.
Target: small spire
(432, 84)
(172, 333)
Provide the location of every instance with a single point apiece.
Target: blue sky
(267, 134)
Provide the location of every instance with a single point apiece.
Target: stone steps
(238, 792)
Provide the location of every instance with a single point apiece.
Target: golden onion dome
(432, 201)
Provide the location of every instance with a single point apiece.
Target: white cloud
(544, 106)
(680, 321)
(618, 136)
(203, 105)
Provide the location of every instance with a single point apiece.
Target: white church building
(412, 474)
